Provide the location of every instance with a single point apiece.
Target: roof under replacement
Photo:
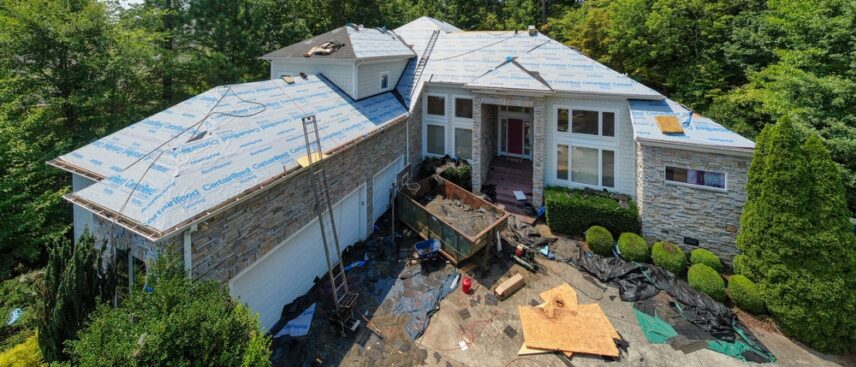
(176, 165)
(356, 43)
(698, 130)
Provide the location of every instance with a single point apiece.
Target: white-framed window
(463, 108)
(384, 80)
(585, 165)
(464, 143)
(435, 105)
(586, 121)
(435, 139)
(697, 178)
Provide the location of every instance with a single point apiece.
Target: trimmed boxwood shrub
(744, 293)
(461, 175)
(670, 257)
(633, 247)
(706, 280)
(702, 256)
(600, 240)
(573, 211)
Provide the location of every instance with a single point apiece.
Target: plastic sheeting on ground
(523, 233)
(298, 326)
(642, 281)
(418, 297)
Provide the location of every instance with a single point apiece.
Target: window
(384, 80)
(437, 105)
(607, 170)
(608, 124)
(464, 143)
(436, 139)
(585, 122)
(464, 108)
(584, 166)
(695, 177)
(563, 120)
(562, 162)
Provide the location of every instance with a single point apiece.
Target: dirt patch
(757, 322)
(466, 219)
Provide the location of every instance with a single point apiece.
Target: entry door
(515, 136)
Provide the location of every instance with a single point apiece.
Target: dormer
(361, 61)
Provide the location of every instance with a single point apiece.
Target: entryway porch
(505, 176)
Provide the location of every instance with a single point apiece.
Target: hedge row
(573, 211)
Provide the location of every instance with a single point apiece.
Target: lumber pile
(560, 324)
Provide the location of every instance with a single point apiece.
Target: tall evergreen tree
(795, 240)
(76, 281)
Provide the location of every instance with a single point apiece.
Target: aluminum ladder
(417, 74)
(342, 296)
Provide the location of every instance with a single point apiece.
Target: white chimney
(532, 30)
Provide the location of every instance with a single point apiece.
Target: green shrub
(744, 293)
(461, 175)
(633, 247)
(702, 256)
(706, 280)
(180, 323)
(19, 292)
(573, 211)
(669, 256)
(600, 240)
(26, 354)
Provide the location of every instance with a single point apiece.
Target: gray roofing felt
(511, 75)
(357, 44)
(698, 130)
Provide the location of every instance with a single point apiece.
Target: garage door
(288, 271)
(381, 184)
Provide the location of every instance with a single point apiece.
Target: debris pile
(561, 324)
(470, 221)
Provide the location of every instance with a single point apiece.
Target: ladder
(417, 74)
(342, 297)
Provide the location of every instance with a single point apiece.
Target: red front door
(515, 136)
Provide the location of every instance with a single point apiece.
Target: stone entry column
(538, 150)
(476, 161)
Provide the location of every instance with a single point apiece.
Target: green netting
(656, 330)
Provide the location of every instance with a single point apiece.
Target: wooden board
(594, 311)
(571, 331)
(509, 286)
(564, 292)
(669, 124)
(525, 351)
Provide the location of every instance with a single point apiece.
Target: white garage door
(381, 184)
(288, 270)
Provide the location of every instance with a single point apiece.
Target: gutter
(745, 152)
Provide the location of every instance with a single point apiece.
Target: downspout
(188, 263)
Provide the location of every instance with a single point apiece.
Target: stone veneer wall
(671, 212)
(415, 139)
(484, 138)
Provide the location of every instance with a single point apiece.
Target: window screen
(695, 177)
(563, 120)
(608, 124)
(464, 143)
(607, 168)
(436, 105)
(562, 162)
(436, 140)
(585, 122)
(584, 166)
(464, 108)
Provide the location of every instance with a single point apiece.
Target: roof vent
(361, 27)
(532, 30)
(325, 48)
(669, 124)
(288, 79)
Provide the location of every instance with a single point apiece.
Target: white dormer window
(384, 80)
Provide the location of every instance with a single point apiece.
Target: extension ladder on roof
(342, 297)
(417, 74)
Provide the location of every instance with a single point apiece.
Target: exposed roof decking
(698, 130)
(357, 44)
(247, 143)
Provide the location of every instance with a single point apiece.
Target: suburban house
(223, 175)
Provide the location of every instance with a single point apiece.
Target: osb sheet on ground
(564, 292)
(581, 331)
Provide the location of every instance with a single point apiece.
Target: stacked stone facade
(671, 212)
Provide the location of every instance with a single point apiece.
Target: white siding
(449, 122)
(82, 218)
(339, 73)
(624, 146)
(368, 76)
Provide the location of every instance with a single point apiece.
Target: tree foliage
(178, 323)
(795, 238)
(75, 283)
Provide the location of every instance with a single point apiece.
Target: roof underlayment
(168, 168)
(357, 43)
(510, 75)
(698, 130)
